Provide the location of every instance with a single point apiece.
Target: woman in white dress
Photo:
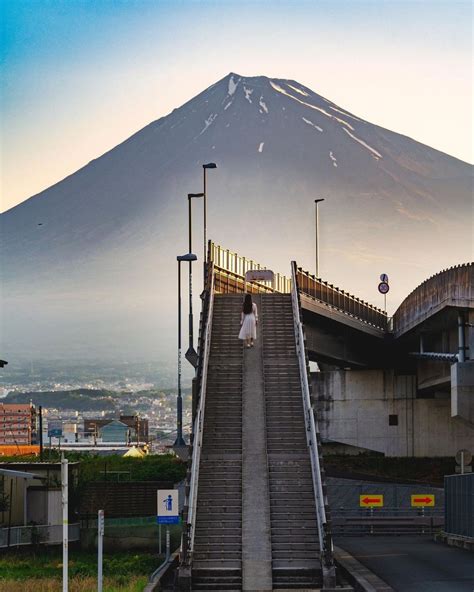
(248, 321)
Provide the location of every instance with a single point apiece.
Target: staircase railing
(189, 514)
(313, 441)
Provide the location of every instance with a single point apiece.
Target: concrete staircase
(217, 559)
(295, 547)
(254, 427)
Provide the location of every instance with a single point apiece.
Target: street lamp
(179, 408)
(191, 354)
(316, 201)
(209, 165)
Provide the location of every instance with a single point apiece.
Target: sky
(77, 77)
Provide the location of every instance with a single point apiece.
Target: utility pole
(64, 499)
(100, 549)
(316, 202)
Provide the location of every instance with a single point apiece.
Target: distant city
(92, 406)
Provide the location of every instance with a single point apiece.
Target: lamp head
(191, 195)
(187, 257)
(318, 200)
(210, 165)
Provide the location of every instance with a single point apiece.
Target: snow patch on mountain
(333, 158)
(372, 151)
(260, 148)
(309, 122)
(298, 90)
(232, 86)
(263, 105)
(248, 92)
(208, 122)
(346, 114)
(281, 90)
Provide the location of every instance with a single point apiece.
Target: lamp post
(316, 201)
(179, 407)
(191, 354)
(209, 165)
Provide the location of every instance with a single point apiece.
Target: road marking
(382, 555)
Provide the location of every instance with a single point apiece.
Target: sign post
(64, 500)
(371, 501)
(384, 288)
(167, 513)
(259, 275)
(100, 549)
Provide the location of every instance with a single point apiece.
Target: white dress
(248, 329)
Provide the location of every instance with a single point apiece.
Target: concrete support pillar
(461, 337)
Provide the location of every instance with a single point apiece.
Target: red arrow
(371, 500)
(421, 500)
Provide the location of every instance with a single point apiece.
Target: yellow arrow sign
(422, 500)
(371, 500)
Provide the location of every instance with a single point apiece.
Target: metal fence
(35, 535)
(459, 507)
(339, 299)
(451, 285)
(230, 270)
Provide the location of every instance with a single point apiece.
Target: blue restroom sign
(167, 506)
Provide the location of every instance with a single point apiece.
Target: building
(33, 493)
(115, 431)
(93, 427)
(17, 424)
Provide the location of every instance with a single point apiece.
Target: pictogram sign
(371, 500)
(422, 500)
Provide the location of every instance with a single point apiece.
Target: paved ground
(414, 563)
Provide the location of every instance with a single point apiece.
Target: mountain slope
(94, 255)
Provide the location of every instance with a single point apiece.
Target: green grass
(47, 563)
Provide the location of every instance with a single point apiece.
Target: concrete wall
(355, 406)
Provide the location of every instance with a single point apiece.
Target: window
(393, 420)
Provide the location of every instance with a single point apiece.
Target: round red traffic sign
(383, 287)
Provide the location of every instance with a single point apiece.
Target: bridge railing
(229, 274)
(192, 479)
(313, 441)
(453, 285)
(230, 270)
(339, 299)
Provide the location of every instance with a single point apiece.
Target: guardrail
(17, 536)
(453, 286)
(312, 437)
(339, 299)
(230, 269)
(189, 513)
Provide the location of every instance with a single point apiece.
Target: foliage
(78, 399)
(420, 470)
(154, 467)
(76, 584)
(40, 571)
(4, 497)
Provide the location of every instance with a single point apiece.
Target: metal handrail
(199, 424)
(237, 265)
(325, 542)
(349, 304)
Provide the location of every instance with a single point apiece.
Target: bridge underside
(330, 342)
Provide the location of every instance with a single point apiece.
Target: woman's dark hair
(247, 307)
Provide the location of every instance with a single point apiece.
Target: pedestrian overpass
(256, 515)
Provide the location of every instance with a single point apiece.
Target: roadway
(413, 563)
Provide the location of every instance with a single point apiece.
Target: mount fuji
(88, 266)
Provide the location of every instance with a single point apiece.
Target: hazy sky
(79, 76)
